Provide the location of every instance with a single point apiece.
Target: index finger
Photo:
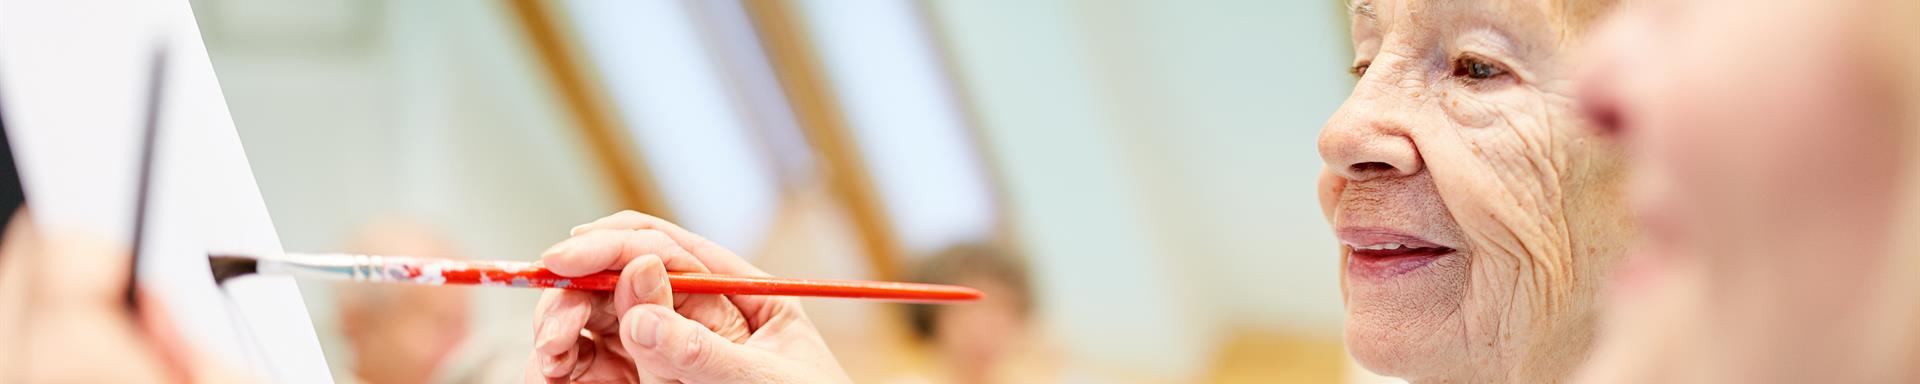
(714, 256)
(594, 251)
(758, 310)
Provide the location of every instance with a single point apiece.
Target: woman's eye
(1477, 69)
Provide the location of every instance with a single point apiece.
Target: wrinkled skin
(1462, 132)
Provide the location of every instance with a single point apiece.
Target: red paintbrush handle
(767, 285)
(525, 275)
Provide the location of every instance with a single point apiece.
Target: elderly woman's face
(1477, 214)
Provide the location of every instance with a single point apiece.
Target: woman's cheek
(1506, 192)
(1469, 110)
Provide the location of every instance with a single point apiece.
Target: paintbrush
(398, 269)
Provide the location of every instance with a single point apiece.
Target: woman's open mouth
(1381, 253)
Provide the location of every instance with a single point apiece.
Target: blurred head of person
(975, 340)
(1773, 144)
(1477, 212)
(401, 333)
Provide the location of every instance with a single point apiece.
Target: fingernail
(548, 330)
(552, 334)
(650, 290)
(575, 230)
(642, 329)
(559, 365)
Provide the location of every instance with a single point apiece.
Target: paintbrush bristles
(227, 267)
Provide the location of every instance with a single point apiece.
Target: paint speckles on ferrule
(484, 273)
(433, 273)
(395, 272)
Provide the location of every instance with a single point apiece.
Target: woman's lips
(1383, 253)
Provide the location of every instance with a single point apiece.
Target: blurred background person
(399, 333)
(991, 341)
(1777, 172)
(1479, 214)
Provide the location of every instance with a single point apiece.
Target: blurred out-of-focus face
(406, 339)
(1477, 214)
(401, 333)
(1765, 152)
(977, 337)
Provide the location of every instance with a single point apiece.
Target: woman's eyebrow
(1363, 10)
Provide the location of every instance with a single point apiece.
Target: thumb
(664, 344)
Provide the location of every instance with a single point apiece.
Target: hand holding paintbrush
(624, 258)
(637, 296)
(634, 294)
(642, 327)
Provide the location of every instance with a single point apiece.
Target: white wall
(1160, 158)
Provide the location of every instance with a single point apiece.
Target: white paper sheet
(73, 79)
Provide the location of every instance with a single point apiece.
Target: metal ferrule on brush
(335, 266)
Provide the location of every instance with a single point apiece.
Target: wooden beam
(602, 130)
(804, 79)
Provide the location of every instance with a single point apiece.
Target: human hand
(63, 314)
(642, 332)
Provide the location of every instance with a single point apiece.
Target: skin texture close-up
(1478, 215)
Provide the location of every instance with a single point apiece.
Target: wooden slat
(602, 130)
(810, 94)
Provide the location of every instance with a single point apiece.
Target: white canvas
(73, 79)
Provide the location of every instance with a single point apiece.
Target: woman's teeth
(1378, 247)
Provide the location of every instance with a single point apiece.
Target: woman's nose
(1364, 141)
